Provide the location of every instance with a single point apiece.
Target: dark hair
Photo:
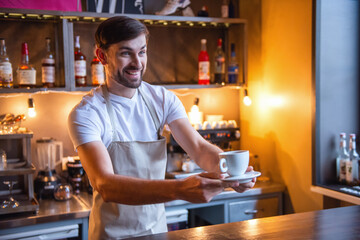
(117, 29)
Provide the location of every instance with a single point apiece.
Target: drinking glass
(11, 202)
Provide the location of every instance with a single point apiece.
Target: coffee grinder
(49, 153)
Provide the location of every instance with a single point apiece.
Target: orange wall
(277, 126)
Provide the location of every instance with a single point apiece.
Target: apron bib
(145, 160)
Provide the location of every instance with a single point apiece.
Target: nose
(136, 61)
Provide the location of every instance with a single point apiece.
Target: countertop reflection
(51, 210)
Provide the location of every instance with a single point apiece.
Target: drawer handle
(254, 211)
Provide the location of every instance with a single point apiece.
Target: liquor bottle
(233, 68)
(225, 9)
(231, 9)
(97, 71)
(48, 66)
(341, 160)
(219, 64)
(26, 73)
(6, 73)
(204, 64)
(352, 170)
(80, 65)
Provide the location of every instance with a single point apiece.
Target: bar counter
(337, 223)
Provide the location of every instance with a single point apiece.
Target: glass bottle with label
(233, 68)
(219, 64)
(97, 71)
(204, 64)
(80, 65)
(6, 73)
(225, 9)
(26, 73)
(352, 169)
(341, 159)
(48, 66)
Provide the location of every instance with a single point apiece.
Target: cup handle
(223, 165)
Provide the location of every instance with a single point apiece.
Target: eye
(142, 52)
(125, 53)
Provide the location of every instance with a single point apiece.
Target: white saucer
(246, 177)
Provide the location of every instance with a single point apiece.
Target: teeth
(133, 73)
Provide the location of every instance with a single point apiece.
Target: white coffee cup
(234, 163)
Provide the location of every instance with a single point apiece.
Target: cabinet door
(256, 208)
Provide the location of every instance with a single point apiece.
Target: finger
(244, 187)
(231, 184)
(249, 169)
(212, 175)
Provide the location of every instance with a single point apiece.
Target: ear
(100, 53)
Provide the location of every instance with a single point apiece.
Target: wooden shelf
(30, 14)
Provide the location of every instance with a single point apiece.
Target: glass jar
(63, 192)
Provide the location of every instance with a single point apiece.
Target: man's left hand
(246, 186)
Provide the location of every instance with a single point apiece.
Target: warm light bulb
(31, 112)
(31, 108)
(247, 101)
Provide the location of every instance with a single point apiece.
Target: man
(116, 131)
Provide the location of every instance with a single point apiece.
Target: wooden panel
(173, 53)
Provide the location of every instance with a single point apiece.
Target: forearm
(207, 157)
(198, 188)
(136, 191)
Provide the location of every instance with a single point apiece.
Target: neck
(120, 90)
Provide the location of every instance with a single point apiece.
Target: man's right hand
(201, 188)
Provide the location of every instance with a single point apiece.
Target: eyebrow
(128, 48)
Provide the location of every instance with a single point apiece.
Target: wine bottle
(352, 166)
(219, 64)
(233, 68)
(341, 159)
(97, 71)
(26, 73)
(231, 9)
(225, 9)
(6, 73)
(204, 64)
(48, 66)
(80, 65)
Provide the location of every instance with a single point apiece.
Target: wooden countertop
(337, 223)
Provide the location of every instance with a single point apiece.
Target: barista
(116, 130)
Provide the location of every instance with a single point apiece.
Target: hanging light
(31, 108)
(195, 116)
(247, 100)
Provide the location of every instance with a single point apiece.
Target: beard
(121, 79)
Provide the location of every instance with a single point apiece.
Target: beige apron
(145, 160)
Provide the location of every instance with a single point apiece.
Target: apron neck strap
(111, 113)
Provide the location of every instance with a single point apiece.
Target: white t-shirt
(89, 120)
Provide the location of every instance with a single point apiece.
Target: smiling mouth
(133, 72)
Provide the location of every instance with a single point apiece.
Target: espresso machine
(179, 165)
(49, 154)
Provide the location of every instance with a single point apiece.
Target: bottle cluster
(219, 64)
(26, 73)
(97, 69)
(347, 161)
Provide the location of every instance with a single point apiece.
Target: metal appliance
(49, 153)
(222, 137)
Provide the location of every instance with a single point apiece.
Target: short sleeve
(174, 108)
(83, 125)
